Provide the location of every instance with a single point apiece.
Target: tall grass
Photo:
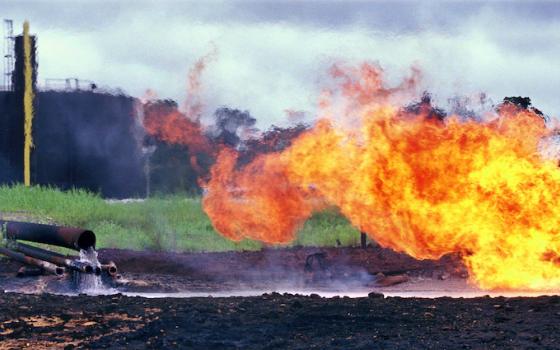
(163, 223)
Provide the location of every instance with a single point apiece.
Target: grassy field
(174, 223)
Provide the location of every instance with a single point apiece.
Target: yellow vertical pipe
(27, 105)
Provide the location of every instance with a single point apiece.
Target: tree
(425, 107)
(229, 124)
(522, 103)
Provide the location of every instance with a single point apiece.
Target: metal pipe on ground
(22, 258)
(27, 271)
(67, 237)
(72, 264)
(110, 268)
(55, 258)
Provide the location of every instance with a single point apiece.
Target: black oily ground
(274, 321)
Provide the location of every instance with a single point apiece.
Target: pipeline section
(44, 265)
(55, 258)
(68, 237)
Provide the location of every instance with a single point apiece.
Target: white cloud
(269, 66)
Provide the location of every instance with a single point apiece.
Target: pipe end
(86, 240)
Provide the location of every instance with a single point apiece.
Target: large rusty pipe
(22, 258)
(68, 237)
(54, 258)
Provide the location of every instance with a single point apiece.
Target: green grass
(174, 223)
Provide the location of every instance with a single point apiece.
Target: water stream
(89, 283)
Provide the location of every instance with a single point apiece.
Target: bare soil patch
(271, 320)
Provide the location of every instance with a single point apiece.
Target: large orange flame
(165, 122)
(414, 184)
(170, 125)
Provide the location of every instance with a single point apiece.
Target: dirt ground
(242, 265)
(267, 270)
(270, 320)
(275, 321)
(327, 268)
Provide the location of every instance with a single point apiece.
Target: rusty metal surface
(110, 268)
(47, 266)
(68, 237)
(55, 258)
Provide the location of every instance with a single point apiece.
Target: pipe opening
(86, 240)
(88, 269)
(59, 271)
(112, 270)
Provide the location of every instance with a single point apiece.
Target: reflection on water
(357, 294)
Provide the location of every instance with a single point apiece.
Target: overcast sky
(272, 56)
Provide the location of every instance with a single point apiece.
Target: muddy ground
(271, 320)
(277, 322)
(268, 269)
(327, 268)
